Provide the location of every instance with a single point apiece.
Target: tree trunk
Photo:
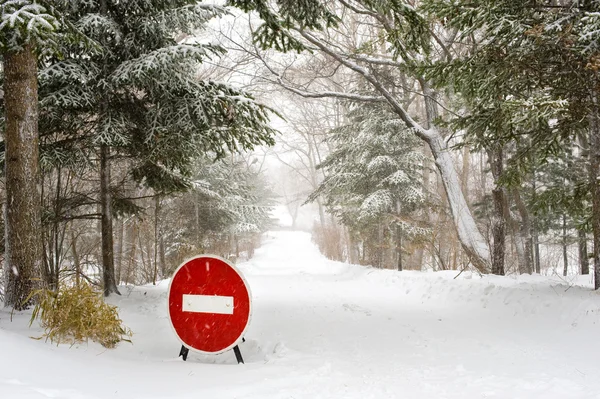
(584, 263)
(496, 159)
(23, 197)
(565, 246)
(161, 256)
(465, 172)
(353, 250)
(156, 219)
(120, 252)
(380, 246)
(534, 231)
(526, 231)
(594, 180)
(469, 236)
(133, 233)
(76, 260)
(312, 164)
(399, 239)
(108, 261)
(518, 239)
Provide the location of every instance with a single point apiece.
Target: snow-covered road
(322, 329)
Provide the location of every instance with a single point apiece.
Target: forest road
(328, 330)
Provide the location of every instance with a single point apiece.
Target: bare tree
(340, 48)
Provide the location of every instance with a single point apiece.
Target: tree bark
(133, 233)
(76, 260)
(108, 261)
(353, 250)
(161, 256)
(466, 161)
(156, 219)
(526, 231)
(517, 234)
(594, 171)
(120, 252)
(399, 265)
(534, 231)
(584, 263)
(380, 246)
(496, 159)
(565, 246)
(23, 197)
(469, 236)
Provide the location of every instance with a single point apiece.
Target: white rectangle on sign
(208, 304)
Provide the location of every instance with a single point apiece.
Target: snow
(323, 329)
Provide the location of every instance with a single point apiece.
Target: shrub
(76, 314)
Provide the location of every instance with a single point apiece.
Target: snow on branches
(22, 22)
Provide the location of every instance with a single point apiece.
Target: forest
(421, 135)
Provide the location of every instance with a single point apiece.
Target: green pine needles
(139, 95)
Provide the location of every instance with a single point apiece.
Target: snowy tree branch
(394, 103)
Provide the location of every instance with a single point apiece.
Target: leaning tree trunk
(23, 199)
(470, 238)
(108, 260)
(469, 235)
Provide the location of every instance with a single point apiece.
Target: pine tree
(133, 99)
(373, 180)
(226, 209)
(26, 28)
(531, 79)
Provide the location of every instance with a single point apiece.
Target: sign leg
(184, 352)
(238, 354)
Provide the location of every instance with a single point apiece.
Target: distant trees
(224, 212)
(391, 36)
(374, 184)
(513, 82)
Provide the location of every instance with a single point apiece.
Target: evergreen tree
(26, 28)
(373, 181)
(224, 212)
(133, 100)
(531, 79)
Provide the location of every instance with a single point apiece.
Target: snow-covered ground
(322, 329)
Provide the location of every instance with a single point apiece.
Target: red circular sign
(209, 304)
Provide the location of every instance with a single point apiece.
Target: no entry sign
(209, 304)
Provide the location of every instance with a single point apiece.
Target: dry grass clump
(77, 314)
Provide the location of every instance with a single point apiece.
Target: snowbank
(324, 329)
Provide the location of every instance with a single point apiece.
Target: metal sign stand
(183, 352)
